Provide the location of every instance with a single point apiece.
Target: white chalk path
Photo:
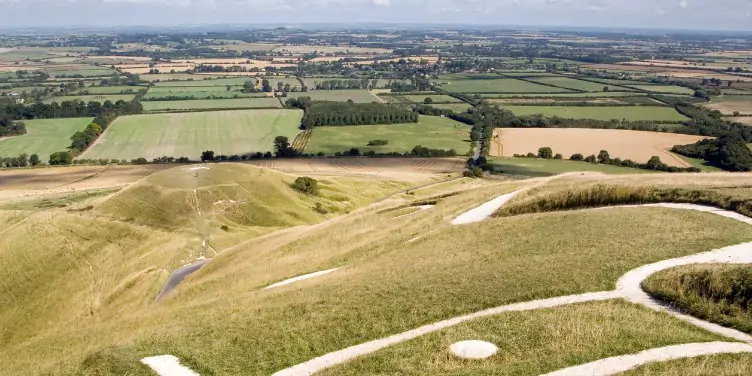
(420, 209)
(338, 357)
(618, 364)
(168, 365)
(301, 278)
(628, 287)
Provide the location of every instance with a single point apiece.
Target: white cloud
(384, 3)
(683, 4)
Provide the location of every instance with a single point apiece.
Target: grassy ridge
(599, 195)
(716, 365)
(717, 293)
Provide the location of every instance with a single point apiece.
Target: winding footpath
(628, 287)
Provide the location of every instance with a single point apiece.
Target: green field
(357, 96)
(199, 81)
(495, 84)
(432, 132)
(43, 137)
(310, 82)
(456, 107)
(93, 90)
(205, 104)
(435, 98)
(610, 94)
(535, 167)
(95, 97)
(188, 134)
(572, 83)
(601, 113)
(199, 92)
(663, 89)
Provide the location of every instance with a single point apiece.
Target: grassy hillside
(718, 293)
(221, 321)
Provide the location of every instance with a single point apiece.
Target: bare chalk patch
(420, 209)
(483, 212)
(473, 349)
(301, 278)
(168, 365)
(619, 364)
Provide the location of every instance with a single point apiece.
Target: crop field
(357, 96)
(310, 82)
(634, 145)
(601, 113)
(98, 90)
(198, 81)
(456, 107)
(572, 83)
(292, 81)
(332, 49)
(205, 104)
(94, 97)
(610, 94)
(550, 167)
(495, 84)
(188, 134)
(199, 92)
(729, 104)
(167, 77)
(663, 89)
(243, 46)
(43, 137)
(434, 98)
(430, 131)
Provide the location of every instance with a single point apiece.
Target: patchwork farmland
(43, 137)
(601, 113)
(188, 134)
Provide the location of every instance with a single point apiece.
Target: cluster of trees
(22, 160)
(654, 164)
(208, 156)
(345, 113)
(68, 109)
(306, 185)
(378, 142)
(417, 151)
(729, 152)
(339, 84)
(9, 127)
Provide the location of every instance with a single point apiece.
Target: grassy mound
(717, 293)
(614, 192)
(233, 195)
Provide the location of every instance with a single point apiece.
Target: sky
(656, 14)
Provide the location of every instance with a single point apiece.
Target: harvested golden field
(635, 145)
(747, 120)
(729, 104)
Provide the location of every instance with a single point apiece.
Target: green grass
(495, 84)
(188, 134)
(601, 113)
(112, 89)
(89, 98)
(664, 89)
(716, 365)
(567, 95)
(535, 167)
(199, 92)
(200, 82)
(203, 104)
(357, 96)
(430, 131)
(571, 83)
(716, 293)
(533, 342)
(435, 98)
(456, 107)
(699, 163)
(43, 137)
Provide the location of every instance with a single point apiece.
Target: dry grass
(727, 105)
(534, 342)
(635, 145)
(716, 365)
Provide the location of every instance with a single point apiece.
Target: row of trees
(338, 84)
(603, 157)
(22, 160)
(729, 152)
(339, 113)
(68, 109)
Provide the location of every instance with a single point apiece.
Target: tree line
(67, 109)
(729, 152)
(603, 157)
(347, 113)
(10, 127)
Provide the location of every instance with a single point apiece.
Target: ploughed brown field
(635, 145)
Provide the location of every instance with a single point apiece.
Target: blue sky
(683, 14)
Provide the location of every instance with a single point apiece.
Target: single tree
(207, 156)
(545, 153)
(603, 157)
(60, 158)
(606, 89)
(428, 100)
(34, 160)
(281, 146)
